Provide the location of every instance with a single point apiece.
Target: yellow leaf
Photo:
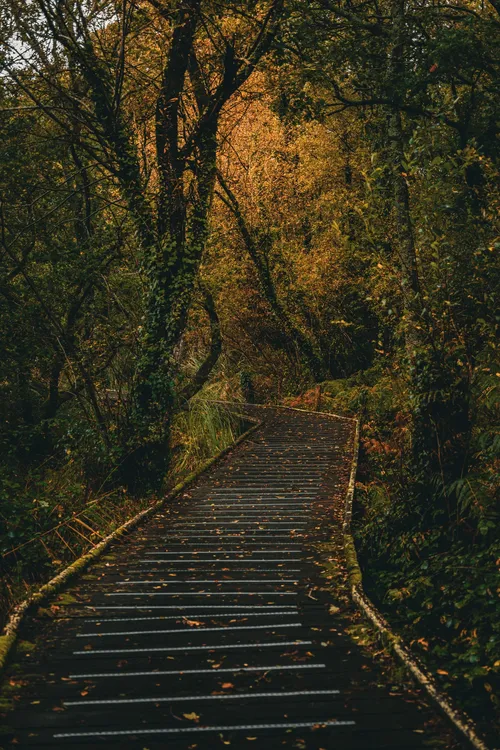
(192, 716)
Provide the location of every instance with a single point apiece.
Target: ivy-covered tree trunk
(199, 76)
(438, 396)
(419, 349)
(187, 170)
(171, 268)
(405, 239)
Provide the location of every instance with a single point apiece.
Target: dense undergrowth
(434, 573)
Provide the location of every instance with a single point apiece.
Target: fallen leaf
(192, 623)
(192, 716)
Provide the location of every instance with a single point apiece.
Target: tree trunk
(185, 139)
(171, 268)
(422, 367)
(405, 241)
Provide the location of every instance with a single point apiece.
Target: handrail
(9, 633)
(463, 723)
(41, 535)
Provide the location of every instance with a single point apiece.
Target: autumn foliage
(272, 201)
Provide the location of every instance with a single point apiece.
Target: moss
(89, 577)
(389, 639)
(330, 567)
(7, 694)
(44, 612)
(6, 643)
(9, 690)
(362, 634)
(25, 647)
(66, 599)
(351, 557)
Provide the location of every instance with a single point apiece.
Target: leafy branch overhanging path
(224, 621)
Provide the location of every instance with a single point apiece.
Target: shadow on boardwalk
(224, 621)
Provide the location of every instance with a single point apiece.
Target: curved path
(223, 621)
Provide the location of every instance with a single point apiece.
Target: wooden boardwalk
(223, 622)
